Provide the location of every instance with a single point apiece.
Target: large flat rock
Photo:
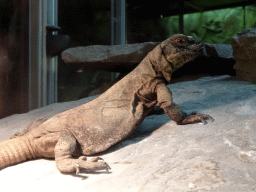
(244, 46)
(162, 156)
(216, 58)
(116, 58)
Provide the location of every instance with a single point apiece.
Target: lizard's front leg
(63, 156)
(181, 118)
(172, 110)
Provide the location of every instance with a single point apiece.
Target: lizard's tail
(15, 151)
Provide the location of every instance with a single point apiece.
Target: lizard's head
(180, 49)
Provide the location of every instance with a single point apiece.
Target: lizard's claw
(107, 167)
(91, 165)
(77, 169)
(193, 117)
(96, 159)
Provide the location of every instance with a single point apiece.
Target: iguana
(112, 117)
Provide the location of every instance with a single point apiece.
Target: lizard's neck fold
(160, 63)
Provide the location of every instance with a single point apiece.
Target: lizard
(94, 127)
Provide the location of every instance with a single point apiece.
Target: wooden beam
(195, 7)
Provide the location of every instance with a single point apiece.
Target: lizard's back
(103, 122)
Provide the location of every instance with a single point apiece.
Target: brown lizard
(112, 117)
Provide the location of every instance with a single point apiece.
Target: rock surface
(244, 45)
(161, 156)
(216, 58)
(223, 51)
(117, 58)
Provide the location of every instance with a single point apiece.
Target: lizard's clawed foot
(91, 165)
(193, 117)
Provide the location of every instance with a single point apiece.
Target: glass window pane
(14, 33)
(87, 23)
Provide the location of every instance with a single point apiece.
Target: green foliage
(216, 26)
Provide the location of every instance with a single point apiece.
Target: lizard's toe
(202, 120)
(205, 116)
(91, 165)
(107, 167)
(84, 158)
(96, 159)
(194, 117)
(77, 169)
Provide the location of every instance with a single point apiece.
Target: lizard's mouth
(193, 50)
(196, 49)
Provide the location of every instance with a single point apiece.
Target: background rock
(217, 59)
(161, 155)
(245, 54)
(223, 51)
(117, 58)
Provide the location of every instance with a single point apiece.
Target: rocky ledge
(161, 156)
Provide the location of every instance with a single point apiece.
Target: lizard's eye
(180, 41)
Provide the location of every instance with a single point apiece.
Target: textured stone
(117, 58)
(223, 51)
(244, 46)
(162, 156)
(217, 59)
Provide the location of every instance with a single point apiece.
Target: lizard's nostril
(196, 41)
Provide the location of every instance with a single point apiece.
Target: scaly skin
(112, 117)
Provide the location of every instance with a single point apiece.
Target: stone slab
(116, 58)
(162, 156)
